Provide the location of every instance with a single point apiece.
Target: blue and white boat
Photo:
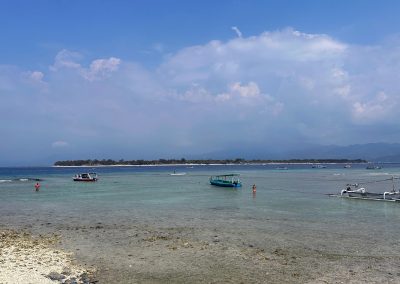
(230, 180)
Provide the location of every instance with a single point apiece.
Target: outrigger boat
(355, 191)
(86, 177)
(231, 180)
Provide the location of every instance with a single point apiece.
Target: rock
(71, 281)
(55, 276)
(66, 271)
(85, 277)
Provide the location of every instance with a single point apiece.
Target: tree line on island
(238, 161)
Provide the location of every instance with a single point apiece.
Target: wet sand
(149, 253)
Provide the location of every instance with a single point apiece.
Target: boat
(355, 191)
(86, 177)
(318, 166)
(282, 168)
(177, 174)
(347, 166)
(373, 167)
(230, 180)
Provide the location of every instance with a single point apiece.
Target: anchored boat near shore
(86, 177)
(357, 192)
(231, 180)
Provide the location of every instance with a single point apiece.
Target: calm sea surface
(290, 206)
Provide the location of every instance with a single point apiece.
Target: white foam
(5, 180)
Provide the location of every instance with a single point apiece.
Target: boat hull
(223, 183)
(86, 179)
(373, 195)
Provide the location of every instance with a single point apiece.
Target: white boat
(319, 166)
(177, 174)
(373, 167)
(282, 168)
(354, 191)
(85, 177)
(347, 166)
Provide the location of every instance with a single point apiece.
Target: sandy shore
(138, 253)
(145, 254)
(28, 259)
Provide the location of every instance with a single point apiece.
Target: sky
(171, 79)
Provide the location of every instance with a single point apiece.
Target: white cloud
(375, 109)
(98, 69)
(101, 68)
(37, 76)
(237, 31)
(59, 144)
(249, 91)
(66, 59)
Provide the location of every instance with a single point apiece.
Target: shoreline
(212, 164)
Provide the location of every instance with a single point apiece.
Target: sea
(291, 207)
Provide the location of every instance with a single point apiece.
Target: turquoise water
(290, 207)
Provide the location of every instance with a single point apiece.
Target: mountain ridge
(373, 152)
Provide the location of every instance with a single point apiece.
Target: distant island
(183, 161)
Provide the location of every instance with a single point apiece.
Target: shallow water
(290, 209)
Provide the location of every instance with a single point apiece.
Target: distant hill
(374, 152)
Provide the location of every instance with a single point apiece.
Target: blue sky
(164, 79)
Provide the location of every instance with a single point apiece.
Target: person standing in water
(37, 186)
(254, 188)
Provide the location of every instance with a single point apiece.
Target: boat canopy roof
(228, 175)
(91, 174)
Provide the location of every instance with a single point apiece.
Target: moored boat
(231, 180)
(354, 191)
(85, 177)
(177, 173)
(282, 168)
(373, 167)
(318, 166)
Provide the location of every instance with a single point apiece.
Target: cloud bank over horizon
(282, 88)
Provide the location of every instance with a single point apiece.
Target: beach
(28, 259)
(125, 229)
(178, 255)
